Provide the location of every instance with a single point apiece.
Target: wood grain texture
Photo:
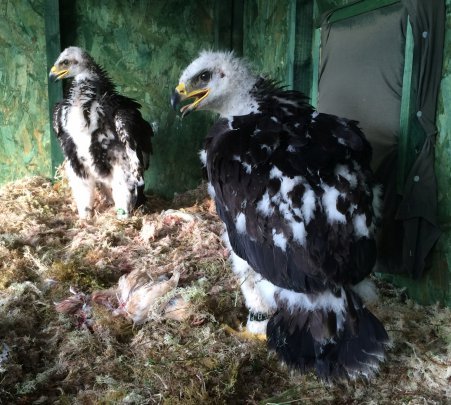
(24, 131)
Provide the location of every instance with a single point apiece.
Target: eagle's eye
(65, 62)
(205, 76)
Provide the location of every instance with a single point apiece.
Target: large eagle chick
(104, 138)
(296, 194)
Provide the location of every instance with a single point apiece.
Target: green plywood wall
(24, 130)
(277, 39)
(267, 36)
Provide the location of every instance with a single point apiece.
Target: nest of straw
(50, 356)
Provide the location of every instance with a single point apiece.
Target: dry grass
(51, 357)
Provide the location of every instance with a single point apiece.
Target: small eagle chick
(297, 197)
(104, 138)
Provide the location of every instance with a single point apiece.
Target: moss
(77, 275)
(14, 268)
(89, 355)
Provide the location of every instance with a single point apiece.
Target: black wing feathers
(288, 135)
(134, 129)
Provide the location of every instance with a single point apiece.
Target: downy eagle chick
(296, 193)
(104, 138)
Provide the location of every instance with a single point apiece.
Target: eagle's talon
(244, 334)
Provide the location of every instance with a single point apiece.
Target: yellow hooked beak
(56, 74)
(180, 94)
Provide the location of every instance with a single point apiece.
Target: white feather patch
(240, 223)
(275, 173)
(287, 184)
(343, 171)
(203, 157)
(377, 201)
(325, 300)
(285, 210)
(76, 124)
(299, 233)
(279, 240)
(329, 200)
(308, 205)
(264, 205)
(211, 190)
(360, 227)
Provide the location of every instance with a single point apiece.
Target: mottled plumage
(102, 133)
(296, 194)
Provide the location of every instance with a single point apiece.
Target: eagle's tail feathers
(337, 346)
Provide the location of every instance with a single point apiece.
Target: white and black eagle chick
(104, 138)
(296, 194)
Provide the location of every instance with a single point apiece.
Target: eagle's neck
(239, 100)
(243, 104)
(259, 95)
(91, 84)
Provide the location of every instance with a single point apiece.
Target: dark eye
(65, 62)
(205, 76)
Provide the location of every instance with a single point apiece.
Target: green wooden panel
(228, 25)
(303, 31)
(324, 6)
(315, 66)
(24, 132)
(267, 37)
(291, 42)
(55, 91)
(144, 46)
(360, 7)
(278, 40)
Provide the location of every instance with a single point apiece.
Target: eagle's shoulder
(319, 137)
(120, 102)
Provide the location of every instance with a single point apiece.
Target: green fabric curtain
(363, 76)
(418, 209)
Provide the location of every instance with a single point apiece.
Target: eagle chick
(296, 193)
(104, 138)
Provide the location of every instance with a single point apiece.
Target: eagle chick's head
(72, 62)
(216, 81)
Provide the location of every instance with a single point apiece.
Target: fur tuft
(310, 341)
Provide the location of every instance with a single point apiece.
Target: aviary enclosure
(60, 340)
